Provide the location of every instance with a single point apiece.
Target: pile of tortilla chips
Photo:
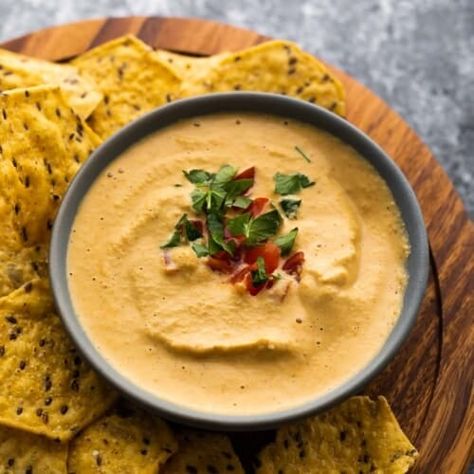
(57, 415)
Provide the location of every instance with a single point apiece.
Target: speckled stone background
(416, 54)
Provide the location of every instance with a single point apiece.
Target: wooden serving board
(430, 382)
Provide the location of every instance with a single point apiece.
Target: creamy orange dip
(189, 336)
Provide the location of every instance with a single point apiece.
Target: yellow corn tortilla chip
(132, 79)
(190, 68)
(357, 436)
(200, 452)
(42, 144)
(126, 441)
(46, 387)
(22, 453)
(18, 71)
(277, 66)
(15, 266)
(20, 266)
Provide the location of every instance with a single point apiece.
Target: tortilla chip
(18, 71)
(17, 267)
(190, 68)
(357, 436)
(203, 452)
(22, 453)
(126, 441)
(132, 79)
(42, 144)
(275, 66)
(46, 386)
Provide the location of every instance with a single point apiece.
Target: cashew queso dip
(238, 263)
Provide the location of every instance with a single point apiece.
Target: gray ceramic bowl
(417, 263)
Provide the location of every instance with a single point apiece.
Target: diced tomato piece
(294, 264)
(222, 255)
(270, 253)
(220, 265)
(257, 206)
(240, 274)
(249, 173)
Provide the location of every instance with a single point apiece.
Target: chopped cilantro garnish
(215, 199)
(224, 175)
(286, 242)
(291, 183)
(173, 241)
(263, 227)
(214, 189)
(191, 231)
(259, 276)
(237, 187)
(234, 231)
(290, 207)
(302, 153)
(198, 176)
(199, 249)
(241, 202)
(183, 228)
(239, 225)
(255, 230)
(198, 197)
(216, 235)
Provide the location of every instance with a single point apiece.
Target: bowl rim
(263, 103)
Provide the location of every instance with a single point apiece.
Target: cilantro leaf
(239, 225)
(197, 176)
(216, 236)
(263, 227)
(237, 187)
(302, 153)
(225, 174)
(215, 199)
(198, 198)
(192, 231)
(259, 276)
(290, 207)
(286, 242)
(305, 181)
(241, 202)
(173, 241)
(199, 249)
(291, 183)
(184, 227)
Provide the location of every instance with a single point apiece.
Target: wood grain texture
(430, 382)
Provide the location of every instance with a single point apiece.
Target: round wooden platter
(429, 383)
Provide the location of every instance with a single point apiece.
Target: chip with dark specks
(38, 370)
(359, 435)
(36, 162)
(131, 77)
(128, 440)
(18, 71)
(200, 452)
(281, 67)
(22, 452)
